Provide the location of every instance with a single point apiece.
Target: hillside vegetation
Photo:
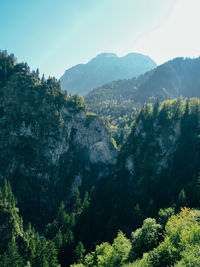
(69, 196)
(120, 100)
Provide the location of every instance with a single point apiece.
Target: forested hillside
(49, 145)
(172, 241)
(120, 100)
(83, 201)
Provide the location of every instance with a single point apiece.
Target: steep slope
(104, 68)
(178, 77)
(157, 167)
(161, 156)
(49, 145)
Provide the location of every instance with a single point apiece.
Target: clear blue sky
(57, 34)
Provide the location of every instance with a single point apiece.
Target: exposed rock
(77, 183)
(130, 164)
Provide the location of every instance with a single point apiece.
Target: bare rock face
(90, 136)
(129, 164)
(81, 134)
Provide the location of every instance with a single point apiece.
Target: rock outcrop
(47, 140)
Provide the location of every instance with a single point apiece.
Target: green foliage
(158, 166)
(7, 65)
(120, 100)
(145, 238)
(109, 255)
(190, 257)
(179, 247)
(10, 224)
(17, 245)
(77, 102)
(12, 257)
(164, 255)
(122, 247)
(181, 234)
(103, 256)
(164, 215)
(79, 252)
(62, 229)
(118, 114)
(32, 114)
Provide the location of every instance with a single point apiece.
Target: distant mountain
(178, 77)
(104, 68)
(120, 100)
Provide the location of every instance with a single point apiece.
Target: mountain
(178, 77)
(48, 142)
(157, 167)
(120, 99)
(104, 68)
(60, 170)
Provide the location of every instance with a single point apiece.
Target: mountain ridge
(104, 68)
(75, 186)
(177, 77)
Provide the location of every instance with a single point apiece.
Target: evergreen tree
(79, 252)
(37, 73)
(181, 201)
(11, 257)
(156, 107)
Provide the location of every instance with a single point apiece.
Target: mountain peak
(104, 68)
(103, 55)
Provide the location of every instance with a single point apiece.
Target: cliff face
(48, 143)
(90, 136)
(161, 155)
(104, 68)
(151, 150)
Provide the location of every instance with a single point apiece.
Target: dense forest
(70, 196)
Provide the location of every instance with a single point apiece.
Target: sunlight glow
(177, 36)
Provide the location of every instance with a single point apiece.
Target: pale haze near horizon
(177, 36)
(55, 35)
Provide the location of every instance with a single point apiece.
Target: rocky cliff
(49, 144)
(161, 155)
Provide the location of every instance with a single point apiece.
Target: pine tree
(181, 201)
(79, 252)
(11, 257)
(156, 107)
(37, 74)
(52, 254)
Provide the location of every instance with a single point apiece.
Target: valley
(71, 196)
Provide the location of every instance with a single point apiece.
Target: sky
(54, 35)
